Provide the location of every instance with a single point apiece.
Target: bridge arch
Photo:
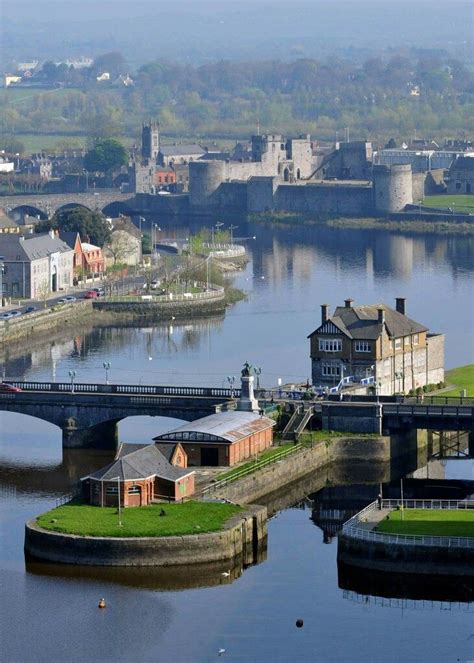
(68, 206)
(116, 208)
(30, 210)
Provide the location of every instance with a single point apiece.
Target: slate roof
(463, 163)
(181, 150)
(230, 426)
(146, 461)
(361, 322)
(31, 248)
(69, 236)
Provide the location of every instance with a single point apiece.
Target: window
(331, 369)
(415, 339)
(111, 490)
(407, 340)
(363, 346)
(134, 490)
(330, 345)
(398, 343)
(458, 185)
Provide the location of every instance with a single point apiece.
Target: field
(430, 522)
(461, 378)
(180, 519)
(459, 203)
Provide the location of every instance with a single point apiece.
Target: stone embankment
(240, 539)
(361, 545)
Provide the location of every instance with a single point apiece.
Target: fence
(258, 465)
(352, 530)
(213, 292)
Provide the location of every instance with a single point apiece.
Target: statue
(247, 370)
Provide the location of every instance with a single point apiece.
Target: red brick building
(224, 438)
(88, 258)
(164, 176)
(141, 473)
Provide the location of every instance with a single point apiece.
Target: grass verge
(265, 455)
(430, 522)
(463, 203)
(461, 378)
(188, 518)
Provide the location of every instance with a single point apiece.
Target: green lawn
(431, 522)
(188, 518)
(460, 202)
(462, 378)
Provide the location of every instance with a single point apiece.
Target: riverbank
(460, 378)
(409, 224)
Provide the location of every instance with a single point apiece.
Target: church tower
(151, 141)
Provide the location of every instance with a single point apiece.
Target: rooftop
(230, 426)
(14, 247)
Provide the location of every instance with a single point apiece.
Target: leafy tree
(90, 225)
(146, 244)
(12, 144)
(114, 63)
(119, 248)
(106, 155)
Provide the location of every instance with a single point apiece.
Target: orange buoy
(102, 603)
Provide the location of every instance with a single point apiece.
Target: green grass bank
(460, 378)
(429, 522)
(180, 519)
(463, 203)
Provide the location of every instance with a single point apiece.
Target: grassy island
(189, 518)
(429, 522)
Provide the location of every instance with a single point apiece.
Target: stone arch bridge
(88, 414)
(109, 201)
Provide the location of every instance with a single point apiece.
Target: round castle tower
(393, 187)
(205, 177)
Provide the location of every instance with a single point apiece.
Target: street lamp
(217, 225)
(231, 229)
(72, 375)
(208, 260)
(2, 271)
(231, 381)
(154, 229)
(107, 366)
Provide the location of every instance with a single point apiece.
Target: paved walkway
(372, 518)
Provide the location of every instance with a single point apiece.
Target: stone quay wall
(405, 558)
(241, 538)
(276, 475)
(44, 320)
(165, 309)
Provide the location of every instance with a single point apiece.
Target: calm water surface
(54, 616)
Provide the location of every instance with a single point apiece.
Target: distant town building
(377, 345)
(461, 175)
(35, 265)
(179, 153)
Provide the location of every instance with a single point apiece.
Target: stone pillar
(247, 401)
(101, 436)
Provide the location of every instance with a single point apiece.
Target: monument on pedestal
(247, 401)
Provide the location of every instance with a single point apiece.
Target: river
(53, 615)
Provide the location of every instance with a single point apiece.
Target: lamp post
(231, 381)
(72, 375)
(154, 229)
(2, 271)
(231, 230)
(217, 225)
(208, 260)
(107, 366)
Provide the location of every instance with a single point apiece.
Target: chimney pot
(324, 313)
(381, 315)
(400, 304)
(348, 303)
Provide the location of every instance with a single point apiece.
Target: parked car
(91, 294)
(30, 309)
(15, 314)
(153, 285)
(6, 316)
(100, 291)
(9, 388)
(69, 298)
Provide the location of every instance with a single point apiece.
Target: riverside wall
(241, 538)
(164, 310)
(276, 475)
(405, 558)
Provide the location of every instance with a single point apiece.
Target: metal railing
(258, 465)
(125, 389)
(423, 410)
(352, 528)
(214, 292)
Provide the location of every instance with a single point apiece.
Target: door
(209, 456)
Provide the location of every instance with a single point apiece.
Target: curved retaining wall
(240, 538)
(191, 307)
(405, 558)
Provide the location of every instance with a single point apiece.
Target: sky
(200, 31)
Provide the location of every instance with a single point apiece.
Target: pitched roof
(146, 461)
(361, 322)
(167, 450)
(181, 150)
(14, 247)
(230, 426)
(69, 236)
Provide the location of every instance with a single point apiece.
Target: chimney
(348, 303)
(324, 313)
(381, 315)
(400, 304)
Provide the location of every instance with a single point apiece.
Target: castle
(289, 175)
